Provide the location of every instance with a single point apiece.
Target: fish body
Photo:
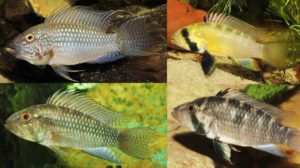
(70, 120)
(82, 35)
(67, 44)
(226, 36)
(234, 118)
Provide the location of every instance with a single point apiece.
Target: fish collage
(150, 84)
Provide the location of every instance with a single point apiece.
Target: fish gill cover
(144, 103)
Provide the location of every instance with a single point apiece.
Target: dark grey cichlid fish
(74, 121)
(82, 35)
(231, 117)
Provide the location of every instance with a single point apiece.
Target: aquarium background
(145, 104)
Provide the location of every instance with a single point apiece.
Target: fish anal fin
(248, 63)
(80, 102)
(104, 153)
(272, 149)
(113, 56)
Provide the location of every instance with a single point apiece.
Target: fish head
(183, 114)
(23, 124)
(190, 38)
(32, 46)
(191, 113)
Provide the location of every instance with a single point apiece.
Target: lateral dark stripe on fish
(192, 45)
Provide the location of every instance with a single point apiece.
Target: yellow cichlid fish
(81, 35)
(71, 120)
(225, 36)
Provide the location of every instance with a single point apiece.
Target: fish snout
(11, 48)
(175, 112)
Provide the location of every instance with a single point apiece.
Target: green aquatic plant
(225, 6)
(266, 92)
(289, 11)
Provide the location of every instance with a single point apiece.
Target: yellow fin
(45, 8)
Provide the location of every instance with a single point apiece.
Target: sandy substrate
(190, 72)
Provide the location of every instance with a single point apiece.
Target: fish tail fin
(136, 142)
(276, 54)
(294, 140)
(142, 36)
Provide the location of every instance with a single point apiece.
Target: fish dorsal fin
(80, 102)
(274, 112)
(237, 24)
(86, 16)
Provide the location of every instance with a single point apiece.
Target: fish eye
(26, 116)
(191, 108)
(29, 37)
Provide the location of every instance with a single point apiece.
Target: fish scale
(227, 127)
(90, 132)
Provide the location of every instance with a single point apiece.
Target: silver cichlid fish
(82, 35)
(72, 120)
(231, 117)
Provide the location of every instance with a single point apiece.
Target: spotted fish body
(71, 120)
(82, 35)
(234, 118)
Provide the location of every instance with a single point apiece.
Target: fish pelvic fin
(223, 150)
(141, 36)
(294, 140)
(63, 71)
(136, 142)
(207, 63)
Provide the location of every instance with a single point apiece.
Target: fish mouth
(10, 50)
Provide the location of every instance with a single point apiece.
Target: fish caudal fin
(294, 140)
(141, 37)
(136, 142)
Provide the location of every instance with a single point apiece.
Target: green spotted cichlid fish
(82, 35)
(71, 120)
(233, 118)
(225, 36)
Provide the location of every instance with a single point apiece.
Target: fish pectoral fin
(248, 63)
(272, 149)
(104, 153)
(223, 150)
(207, 63)
(63, 72)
